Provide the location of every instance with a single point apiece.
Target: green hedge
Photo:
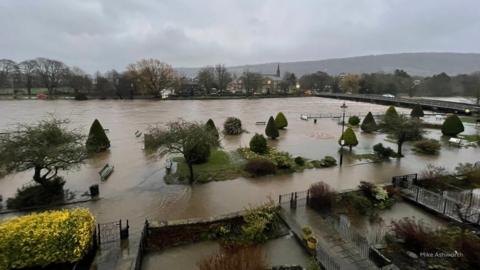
(46, 238)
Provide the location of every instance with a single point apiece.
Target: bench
(138, 133)
(168, 165)
(260, 123)
(105, 172)
(455, 141)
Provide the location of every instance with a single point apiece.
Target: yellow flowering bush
(46, 238)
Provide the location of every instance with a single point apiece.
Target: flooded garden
(138, 188)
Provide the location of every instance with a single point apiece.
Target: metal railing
(459, 210)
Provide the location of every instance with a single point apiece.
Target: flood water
(136, 189)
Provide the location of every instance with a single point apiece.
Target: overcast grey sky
(106, 34)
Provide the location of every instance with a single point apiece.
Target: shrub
(210, 126)
(97, 139)
(367, 189)
(47, 238)
(37, 195)
(81, 96)
(356, 203)
(452, 126)
(232, 126)
(281, 159)
(383, 152)
(281, 121)
(369, 125)
(416, 236)
(299, 161)
(349, 137)
(259, 167)
(258, 144)
(198, 153)
(417, 111)
(242, 258)
(322, 197)
(427, 146)
(260, 222)
(271, 130)
(354, 120)
(328, 161)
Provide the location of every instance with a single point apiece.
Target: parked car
(388, 96)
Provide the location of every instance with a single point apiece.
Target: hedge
(281, 121)
(452, 126)
(47, 238)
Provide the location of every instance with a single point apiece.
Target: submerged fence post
(418, 191)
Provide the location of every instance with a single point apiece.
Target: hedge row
(46, 238)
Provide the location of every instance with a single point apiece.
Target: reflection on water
(136, 189)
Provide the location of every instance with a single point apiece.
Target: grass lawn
(221, 165)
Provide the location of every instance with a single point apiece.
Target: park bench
(138, 133)
(455, 141)
(105, 172)
(260, 123)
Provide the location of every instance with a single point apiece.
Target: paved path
(344, 254)
(118, 255)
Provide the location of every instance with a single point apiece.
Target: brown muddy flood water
(136, 189)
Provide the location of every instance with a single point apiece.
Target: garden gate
(111, 232)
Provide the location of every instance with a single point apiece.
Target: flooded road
(136, 189)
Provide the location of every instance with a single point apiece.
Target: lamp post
(342, 141)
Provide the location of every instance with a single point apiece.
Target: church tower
(278, 71)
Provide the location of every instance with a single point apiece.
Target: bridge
(427, 104)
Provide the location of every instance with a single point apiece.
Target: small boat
(106, 171)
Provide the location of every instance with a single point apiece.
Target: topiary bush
(232, 126)
(369, 125)
(452, 126)
(81, 96)
(383, 152)
(281, 121)
(354, 120)
(328, 161)
(390, 118)
(210, 126)
(427, 146)
(271, 130)
(45, 239)
(258, 144)
(349, 137)
(259, 167)
(417, 111)
(299, 161)
(97, 139)
(37, 195)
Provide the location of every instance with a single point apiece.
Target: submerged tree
(403, 129)
(97, 139)
(45, 147)
(281, 121)
(369, 125)
(210, 126)
(271, 130)
(349, 137)
(417, 111)
(258, 144)
(187, 138)
(452, 126)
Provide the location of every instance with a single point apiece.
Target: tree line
(148, 77)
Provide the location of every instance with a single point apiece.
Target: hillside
(423, 64)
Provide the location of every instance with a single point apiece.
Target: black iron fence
(112, 231)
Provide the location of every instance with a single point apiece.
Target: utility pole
(342, 141)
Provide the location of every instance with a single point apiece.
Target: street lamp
(342, 142)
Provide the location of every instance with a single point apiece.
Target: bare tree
(52, 73)
(28, 69)
(79, 80)
(252, 82)
(206, 79)
(222, 77)
(152, 76)
(7, 70)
